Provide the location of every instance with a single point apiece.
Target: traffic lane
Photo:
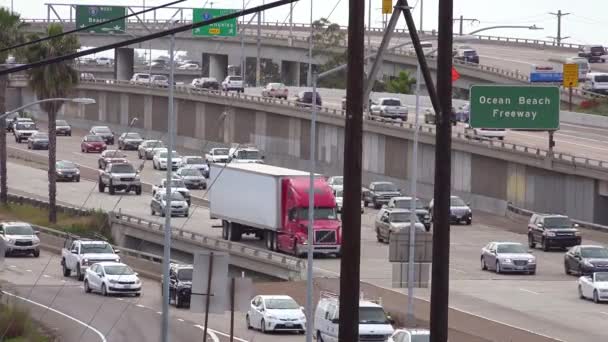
(564, 143)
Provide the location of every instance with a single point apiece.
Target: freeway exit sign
(226, 28)
(89, 15)
(515, 107)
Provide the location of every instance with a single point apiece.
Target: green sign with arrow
(89, 15)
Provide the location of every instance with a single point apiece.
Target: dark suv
(552, 231)
(593, 53)
(180, 284)
(304, 99)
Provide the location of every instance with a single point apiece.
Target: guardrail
(293, 265)
(528, 213)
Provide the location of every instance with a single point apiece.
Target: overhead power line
(146, 37)
(86, 28)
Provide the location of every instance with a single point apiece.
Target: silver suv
(19, 237)
(233, 83)
(121, 176)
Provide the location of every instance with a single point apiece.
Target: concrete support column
(103, 107)
(295, 135)
(290, 73)
(228, 127)
(124, 109)
(148, 112)
(259, 138)
(123, 63)
(218, 66)
(199, 121)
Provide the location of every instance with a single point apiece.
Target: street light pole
(243, 46)
(311, 211)
(309, 76)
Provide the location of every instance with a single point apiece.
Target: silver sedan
(504, 257)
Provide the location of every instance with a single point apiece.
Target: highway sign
(570, 75)
(226, 28)
(387, 6)
(516, 107)
(89, 15)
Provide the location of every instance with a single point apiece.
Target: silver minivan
(596, 82)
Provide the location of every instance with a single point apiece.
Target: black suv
(304, 99)
(180, 284)
(379, 194)
(593, 53)
(552, 231)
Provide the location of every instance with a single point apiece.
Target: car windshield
(155, 143)
(320, 213)
(558, 222)
(118, 270)
(66, 165)
(457, 202)
(510, 248)
(337, 181)
(235, 78)
(221, 151)
(281, 304)
(470, 53)
(601, 78)
(191, 172)
(123, 168)
(597, 49)
(248, 154)
(166, 154)
(385, 187)
(402, 217)
(195, 161)
(102, 130)
(96, 248)
(143, 76)
(594, 252)
(339, 193)
(177, 183)
(374, 315)
(61, 123)
(93, 138)
(114, 154)
(391, 102)
(185, 274)
(276, 85)
(176, 196)
(407, 204)
(19, 230)
(26, 125)
(133, 136)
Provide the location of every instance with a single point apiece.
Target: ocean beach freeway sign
(515, 107)
(89, 15)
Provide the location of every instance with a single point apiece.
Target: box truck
(271, 203)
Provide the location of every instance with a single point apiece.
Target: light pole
(533, 27)
(309, 76)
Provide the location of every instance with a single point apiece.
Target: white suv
(23, 130)
(140, 78)
(19, 237)
(233, 83)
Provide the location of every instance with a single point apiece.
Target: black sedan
(129, 141)
(38, 141)
(63, 128)
(67, 171)
(586, 260)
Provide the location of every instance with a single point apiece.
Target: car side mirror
(302, 308)
(468, 204)
(36, 232)
(390, 319)
(100, 275)
(74, 251)
(335, 320)
(261, 309)
(539, 225)
(117, 251)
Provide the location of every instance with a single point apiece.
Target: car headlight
(549, 233)
(506, 260)
(113, 281)
(577, 233)
(137, 177)
(587, 263)
(85, 262)
(77, 172)
(532, 261)
(36, 240)
(11, 241)
(271, 317)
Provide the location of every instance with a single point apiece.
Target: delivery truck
(271, 203)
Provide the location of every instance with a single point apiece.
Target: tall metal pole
(309, 75)
(421, 15)
(311, 212)
(369, 36)
(258, 71)
(290, 24)
(167, 239)
(414, 195)
(350, 268)
(243, 47)
(443, 163)
(144, 6)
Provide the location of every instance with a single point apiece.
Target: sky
(585, 25)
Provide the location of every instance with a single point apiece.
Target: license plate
(289, 324)
(520, 267)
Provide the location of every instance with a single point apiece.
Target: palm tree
(402, 84)
(51, 81)
(10, 25)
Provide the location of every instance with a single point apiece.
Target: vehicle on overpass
(272, 313)
(159, 80)
(507, 257)
(552, 231)
(104, 132)
(466, 55)
(339, 195)
(92, 143)
(410, 335)
(484, 133)
(177, 184)
(105, 61)
(179, 205)
(67, 171)
(22, 130)
(593, 53)
(271, 203)
(389, 107)
(19, 238)
(140, 78)
(208, 83)
(380, 193)
(460, 212)
(405, 202)
(463, 113)
(87, 76)
(11, 122)
(122, 176)
(245, 155)
(110, 278)
(192, 177)
(596, 82)
(276, 90)
(218, 155)
(180, 284)
(38, 141)
(129, 141)
(189, 66)
(586, 260)
(594, 287)
(146, 149)
(304, 99)
(111, 157)
(63, 128)
(391, 221)
(374, 323)
(78, 255)
(235, 83)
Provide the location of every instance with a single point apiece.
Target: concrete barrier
(514, 212)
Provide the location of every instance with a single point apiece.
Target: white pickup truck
(388, 107)
(78, 255)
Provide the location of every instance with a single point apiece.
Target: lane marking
(603, 312)
(46, 275)
(101, 336)
(180, 320)
(120, 299)
(220, 333)
(159, 312)
(28, 271)
(529, 291)
(140, 306)
(12, 266)
(210, 332)
(457, 270)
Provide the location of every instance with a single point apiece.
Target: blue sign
(546, 77)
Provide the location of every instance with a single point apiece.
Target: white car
(159, 161)
(336, 182)
(275, 313)
(141, 78)
(188, 66)
(160, 80)
(104, 61)
(147, 148)
(389, 107)
(233, 83)
(111, 278)
(338, 193)
(196, 162)
(246, 155)
(19, 237)
(218, 155)
(410, 335)
(484, 133)
(23, 130)
(594, 287)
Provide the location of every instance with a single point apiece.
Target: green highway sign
(89, 15)
(515, 107)
(226, 28)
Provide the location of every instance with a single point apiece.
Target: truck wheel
(225, 230)
(66, 271)
(234, 232)
(111, 189)
(269, 237)
(79, 273)
(101, 186)
(365, 204)
(138, 190)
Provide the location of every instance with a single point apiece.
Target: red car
(92, 143)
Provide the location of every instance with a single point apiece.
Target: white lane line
(12, 266)
(28, 271)
(159, 312)
(101, 336)
(46, 275)
(603, 312)
(120, 299)
(529, 291)
(180, 320)
(140, 306)
(209, 330)
(211, 334)
(457, 270)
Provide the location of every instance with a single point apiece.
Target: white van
(374, 324)
(583, 66)
(596, 82)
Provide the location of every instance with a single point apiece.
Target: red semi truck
(271, 203)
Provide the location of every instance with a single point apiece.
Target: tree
(326, 37)
(10, 26)
(402, 84)
(52, 81)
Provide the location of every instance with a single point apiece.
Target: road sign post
(226, 28)
(515, 107)
(570, 80)
(88, 15)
